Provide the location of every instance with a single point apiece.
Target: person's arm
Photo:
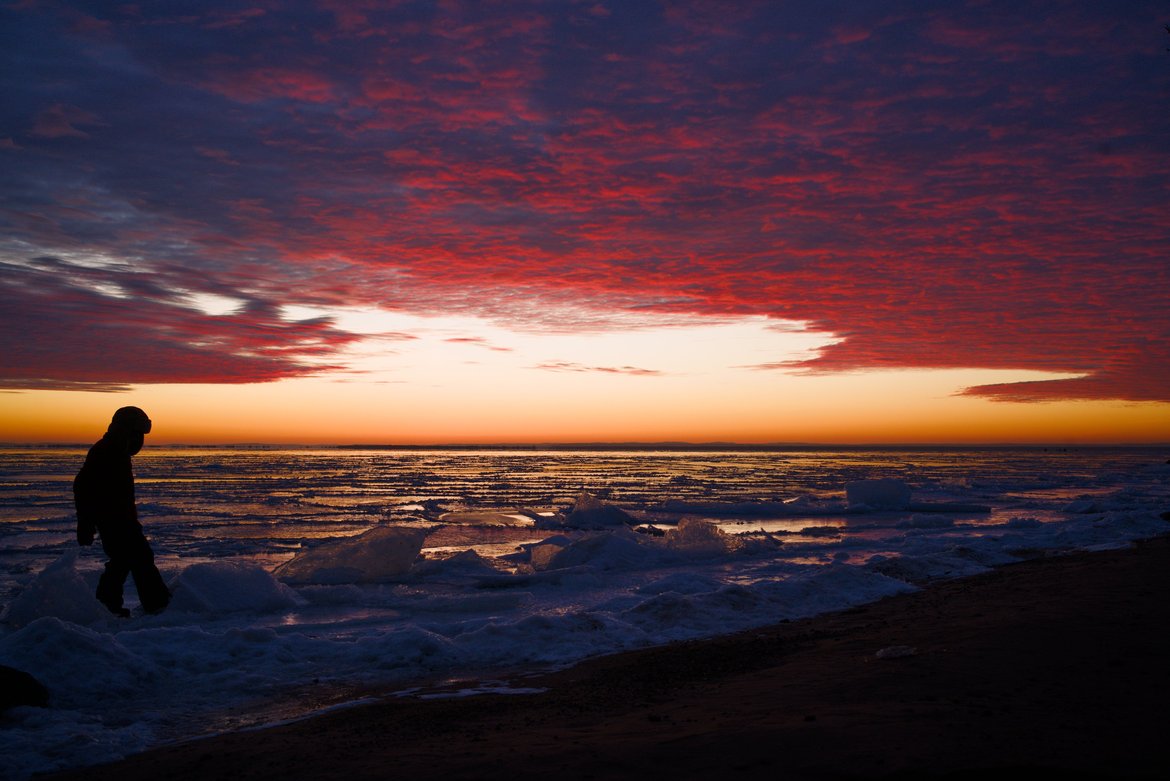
(83, 503)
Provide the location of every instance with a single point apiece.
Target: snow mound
(623, 549)
(77, 663)
(60, 591)
(462, 564)
(606, 551)
(227, 587)
(882, 494)
(589, 512)
(695, 537)
(376, 556)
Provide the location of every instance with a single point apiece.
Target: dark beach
(1059, 667)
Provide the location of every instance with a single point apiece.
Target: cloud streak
(977, 185)
(476, 341)
(570, 366)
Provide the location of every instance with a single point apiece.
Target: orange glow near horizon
(692, 380)
(63, 420)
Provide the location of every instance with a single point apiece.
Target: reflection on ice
(482, 518)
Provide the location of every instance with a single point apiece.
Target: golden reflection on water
(261, 501)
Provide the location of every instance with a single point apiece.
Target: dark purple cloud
(965, 184)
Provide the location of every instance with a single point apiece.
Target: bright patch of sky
(214, 305)
(634, 345)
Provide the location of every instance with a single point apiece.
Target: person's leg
(152, 589)
(109, 590)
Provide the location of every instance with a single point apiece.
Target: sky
(348, 221)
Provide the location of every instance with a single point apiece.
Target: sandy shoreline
(1060, 666)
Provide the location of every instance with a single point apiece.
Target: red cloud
(935, 189)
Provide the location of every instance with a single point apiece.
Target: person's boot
(109, 593)
(153, 593)
(156, 608)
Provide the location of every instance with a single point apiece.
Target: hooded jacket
(103, 491)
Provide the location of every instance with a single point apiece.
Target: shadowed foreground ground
(1058, 666)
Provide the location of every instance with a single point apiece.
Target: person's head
(133, 424)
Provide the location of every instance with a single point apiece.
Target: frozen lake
(304, 578)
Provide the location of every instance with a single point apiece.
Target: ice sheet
(291, 591)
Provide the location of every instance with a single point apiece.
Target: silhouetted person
(103, 493)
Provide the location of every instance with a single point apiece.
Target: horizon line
(615, 445)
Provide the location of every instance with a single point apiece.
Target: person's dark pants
(130, 554)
